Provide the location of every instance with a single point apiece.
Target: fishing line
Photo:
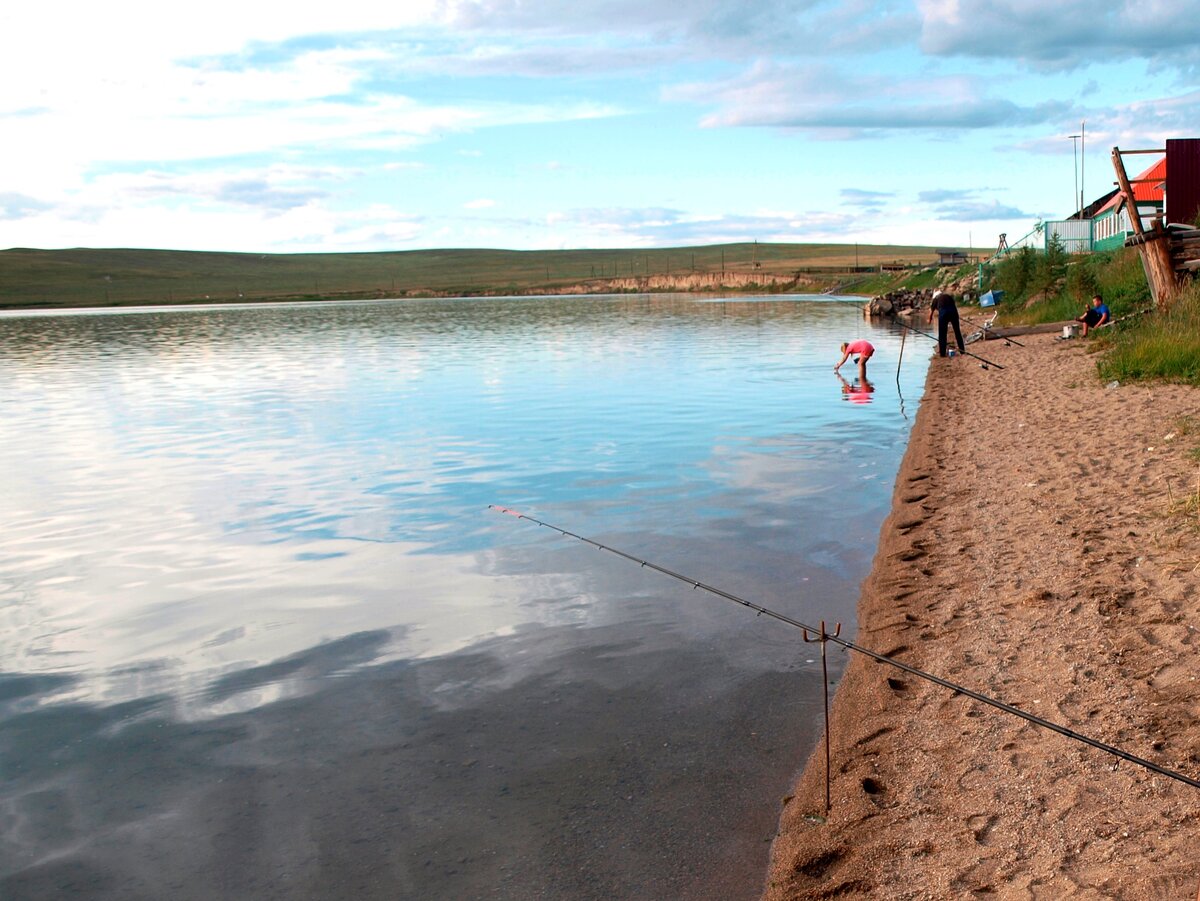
(984, 329)
(934, 338)
(874, 655)
(896, 320)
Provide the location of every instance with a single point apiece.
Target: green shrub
(1082, 281)
(1049, 268)
(1014, 273)
(1121, 281)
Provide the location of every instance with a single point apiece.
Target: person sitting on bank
(863, 350)
(1095, 315)
(947, 313)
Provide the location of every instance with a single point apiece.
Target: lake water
(260, 636)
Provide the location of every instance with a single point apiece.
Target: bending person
(863, 350)
(947, 312)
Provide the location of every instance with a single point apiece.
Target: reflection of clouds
(203, 493)
(176, 625)
(415, 757)
(785, 474)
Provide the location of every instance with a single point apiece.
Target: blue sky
(529, 124)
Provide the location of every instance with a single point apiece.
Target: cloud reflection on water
(250, 591)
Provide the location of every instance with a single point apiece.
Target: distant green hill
(102, 277)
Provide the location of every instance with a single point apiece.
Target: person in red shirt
(863, 350)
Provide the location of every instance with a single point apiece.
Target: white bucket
(1071, 331)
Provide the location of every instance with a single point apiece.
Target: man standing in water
(863, 350)
(947, 312)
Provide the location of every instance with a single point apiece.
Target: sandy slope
(1031, 554)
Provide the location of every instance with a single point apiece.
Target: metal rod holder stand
(823, 638)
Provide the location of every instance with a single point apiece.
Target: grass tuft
(1163, 347)
(1188, 506)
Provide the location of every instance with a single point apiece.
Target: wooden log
(1012, 331)
(1156, 258)
(1152, 246)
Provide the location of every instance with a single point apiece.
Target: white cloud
(1062, 34)
(817, 97)
(237, 125)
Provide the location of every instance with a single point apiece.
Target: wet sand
(1036, 552)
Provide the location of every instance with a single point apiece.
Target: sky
(529, 124)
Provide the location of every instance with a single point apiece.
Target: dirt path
(1032, 554)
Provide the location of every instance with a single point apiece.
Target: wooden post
(1153, 247)
(1127, 192)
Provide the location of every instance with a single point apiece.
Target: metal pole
(1082, 161)
(1075, 157)
(881, 658)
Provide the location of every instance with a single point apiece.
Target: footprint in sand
(878, 733)
(981, 826)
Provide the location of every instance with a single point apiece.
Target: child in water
(863, 350)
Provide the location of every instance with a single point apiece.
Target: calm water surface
(260, 637)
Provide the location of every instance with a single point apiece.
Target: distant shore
(699, 285)
(102, 277)
(1042, 549)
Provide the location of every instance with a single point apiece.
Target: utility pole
(1075, 157)
(1082, 163)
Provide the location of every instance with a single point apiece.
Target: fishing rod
(896, 319)
(984, 329)
(874, 655)
(986, 363)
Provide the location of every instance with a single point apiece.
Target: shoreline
(1034, 553)
(748, 289)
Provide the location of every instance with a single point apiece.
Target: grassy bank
(1158, 347)
(97, 277)
(1140, 345)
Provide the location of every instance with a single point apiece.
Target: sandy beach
(1037, 553)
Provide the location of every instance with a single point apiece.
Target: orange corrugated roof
(1147, 187)
(1151, 189)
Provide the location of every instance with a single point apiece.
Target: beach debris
(1113, 384)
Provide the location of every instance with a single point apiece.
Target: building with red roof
(1111, 224)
